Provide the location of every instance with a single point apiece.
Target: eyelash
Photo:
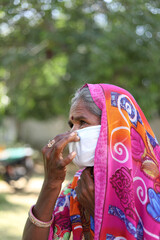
(82, 122)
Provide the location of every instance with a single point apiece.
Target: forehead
(78, 107)
(79, 111)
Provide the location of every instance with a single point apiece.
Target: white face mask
(85, 148)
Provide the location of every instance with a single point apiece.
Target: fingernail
(72, 134)
(73, 154)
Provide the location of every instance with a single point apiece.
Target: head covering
(126, 170)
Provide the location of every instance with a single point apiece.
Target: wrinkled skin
(55, 171)
(80, 118)
(54, 163)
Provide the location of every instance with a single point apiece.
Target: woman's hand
(54, 162)
(85, 190)
(55, 171)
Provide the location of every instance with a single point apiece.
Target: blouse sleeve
(61, 227)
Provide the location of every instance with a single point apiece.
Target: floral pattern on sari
(122, 183)
(62, 223)
(126, 173)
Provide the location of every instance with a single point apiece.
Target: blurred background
(48, 49)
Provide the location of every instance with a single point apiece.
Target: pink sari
(126, 169)
(126, 172)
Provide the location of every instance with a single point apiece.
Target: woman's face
(80, 117)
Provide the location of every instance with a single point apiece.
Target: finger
(64, 162)
(59, 146)
(61, 136)
(48, 148)
(56, 139)
(46, 154)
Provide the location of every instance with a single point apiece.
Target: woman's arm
(43, 211)
(55, 171)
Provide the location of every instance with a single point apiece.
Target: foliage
(49, 48)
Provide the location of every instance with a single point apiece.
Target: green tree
(50, 48)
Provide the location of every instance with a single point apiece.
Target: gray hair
(85, 95)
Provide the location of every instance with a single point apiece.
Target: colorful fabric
(81, 221)
(126, 173)
(70, 216)
(128, 207)
(61, 227)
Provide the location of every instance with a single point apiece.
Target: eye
(82, 122)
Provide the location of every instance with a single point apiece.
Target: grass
(14, 208)
(14, 205)
(13, 216)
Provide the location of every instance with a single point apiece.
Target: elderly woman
(117, 193)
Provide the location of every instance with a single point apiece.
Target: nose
(75, 127)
